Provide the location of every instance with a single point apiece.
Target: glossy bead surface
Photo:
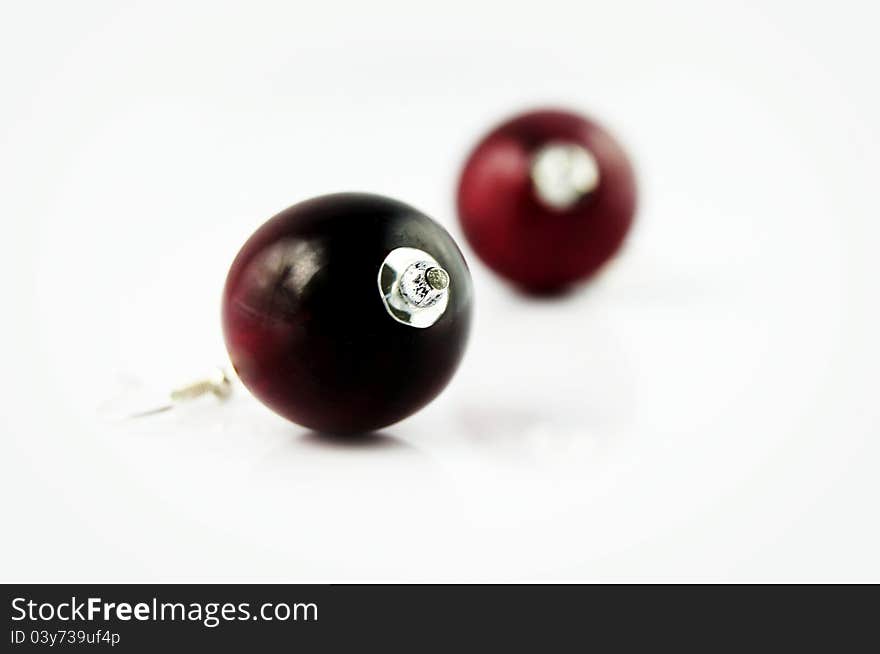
(540, 232)
(308, 330)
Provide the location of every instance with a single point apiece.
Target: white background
(706, 410)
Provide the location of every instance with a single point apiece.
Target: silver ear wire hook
(217, 384)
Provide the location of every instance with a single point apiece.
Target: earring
(347, 312)
(546, 198)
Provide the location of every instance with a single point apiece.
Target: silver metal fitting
(563, 173)
(414, 288)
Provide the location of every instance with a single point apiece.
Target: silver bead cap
(563, 173)
(414, 288)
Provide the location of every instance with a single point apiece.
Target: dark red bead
(306, 326)
(540, 247)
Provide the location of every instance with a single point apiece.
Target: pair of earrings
(349, 312)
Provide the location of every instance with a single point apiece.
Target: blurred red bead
(546, 198)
